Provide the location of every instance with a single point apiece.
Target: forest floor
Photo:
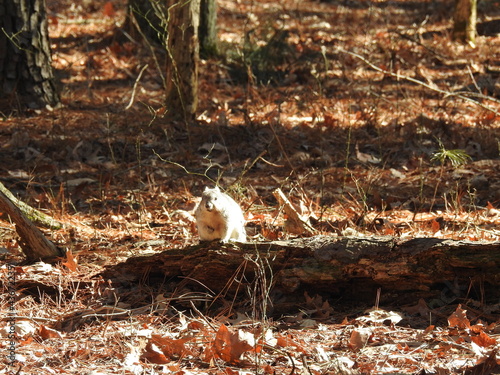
(291, 102)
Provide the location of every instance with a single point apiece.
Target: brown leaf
(227, 346)
(195, 325)
(459, 318)
(420, 308)
(171, 348)
(284, 341)
(71, 261)
(153, 354)
(359, 338)
(484, 340)
(48, 333)
(435, 226)
(487, 366)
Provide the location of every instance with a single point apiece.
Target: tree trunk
(208, 28)
(182, 58)
(32, 241)
(347, 269)
(465, 18)
(26, 77)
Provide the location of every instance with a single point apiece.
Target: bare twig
(132, 98)
(428, 86)
(184, 168)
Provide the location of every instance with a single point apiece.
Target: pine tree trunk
(208, 28)
(182, 58)
(465, 19)
(26, 77)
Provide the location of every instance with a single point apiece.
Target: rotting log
(344, 268)
(32, 241)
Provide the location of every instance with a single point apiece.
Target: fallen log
(349, 268)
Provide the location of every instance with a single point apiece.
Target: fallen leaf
(486, 366)
(227, 346)
(171, 348)
(459, 318)
(359, 338)
(48, 333)
(71, 261)
(153, 354)
(435, 226)
(484, 340)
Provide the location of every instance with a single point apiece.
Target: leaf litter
(354, 150)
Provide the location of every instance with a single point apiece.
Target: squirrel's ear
(206, 188)
(216, 188)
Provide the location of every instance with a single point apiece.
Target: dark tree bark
(464, 21)
(26, 76)
(182, 58)
(208, 28)
(350, 269)
(149, 17)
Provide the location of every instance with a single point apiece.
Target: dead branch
(423, 84)
(31, 213)
(295, 222)
(32, 241)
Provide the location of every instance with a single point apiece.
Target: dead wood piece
(32, 241)
(295, 222)
(349, 267)
(34, 215)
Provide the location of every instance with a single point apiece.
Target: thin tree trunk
(465, 19)
(208, 28)
(26, 77)
(182, 58)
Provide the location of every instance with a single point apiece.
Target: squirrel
(218, 216)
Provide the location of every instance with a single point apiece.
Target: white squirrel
(218, 216)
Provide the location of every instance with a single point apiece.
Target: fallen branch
(134, 89)
(32, 241)
(295, 222)
(31, 213)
